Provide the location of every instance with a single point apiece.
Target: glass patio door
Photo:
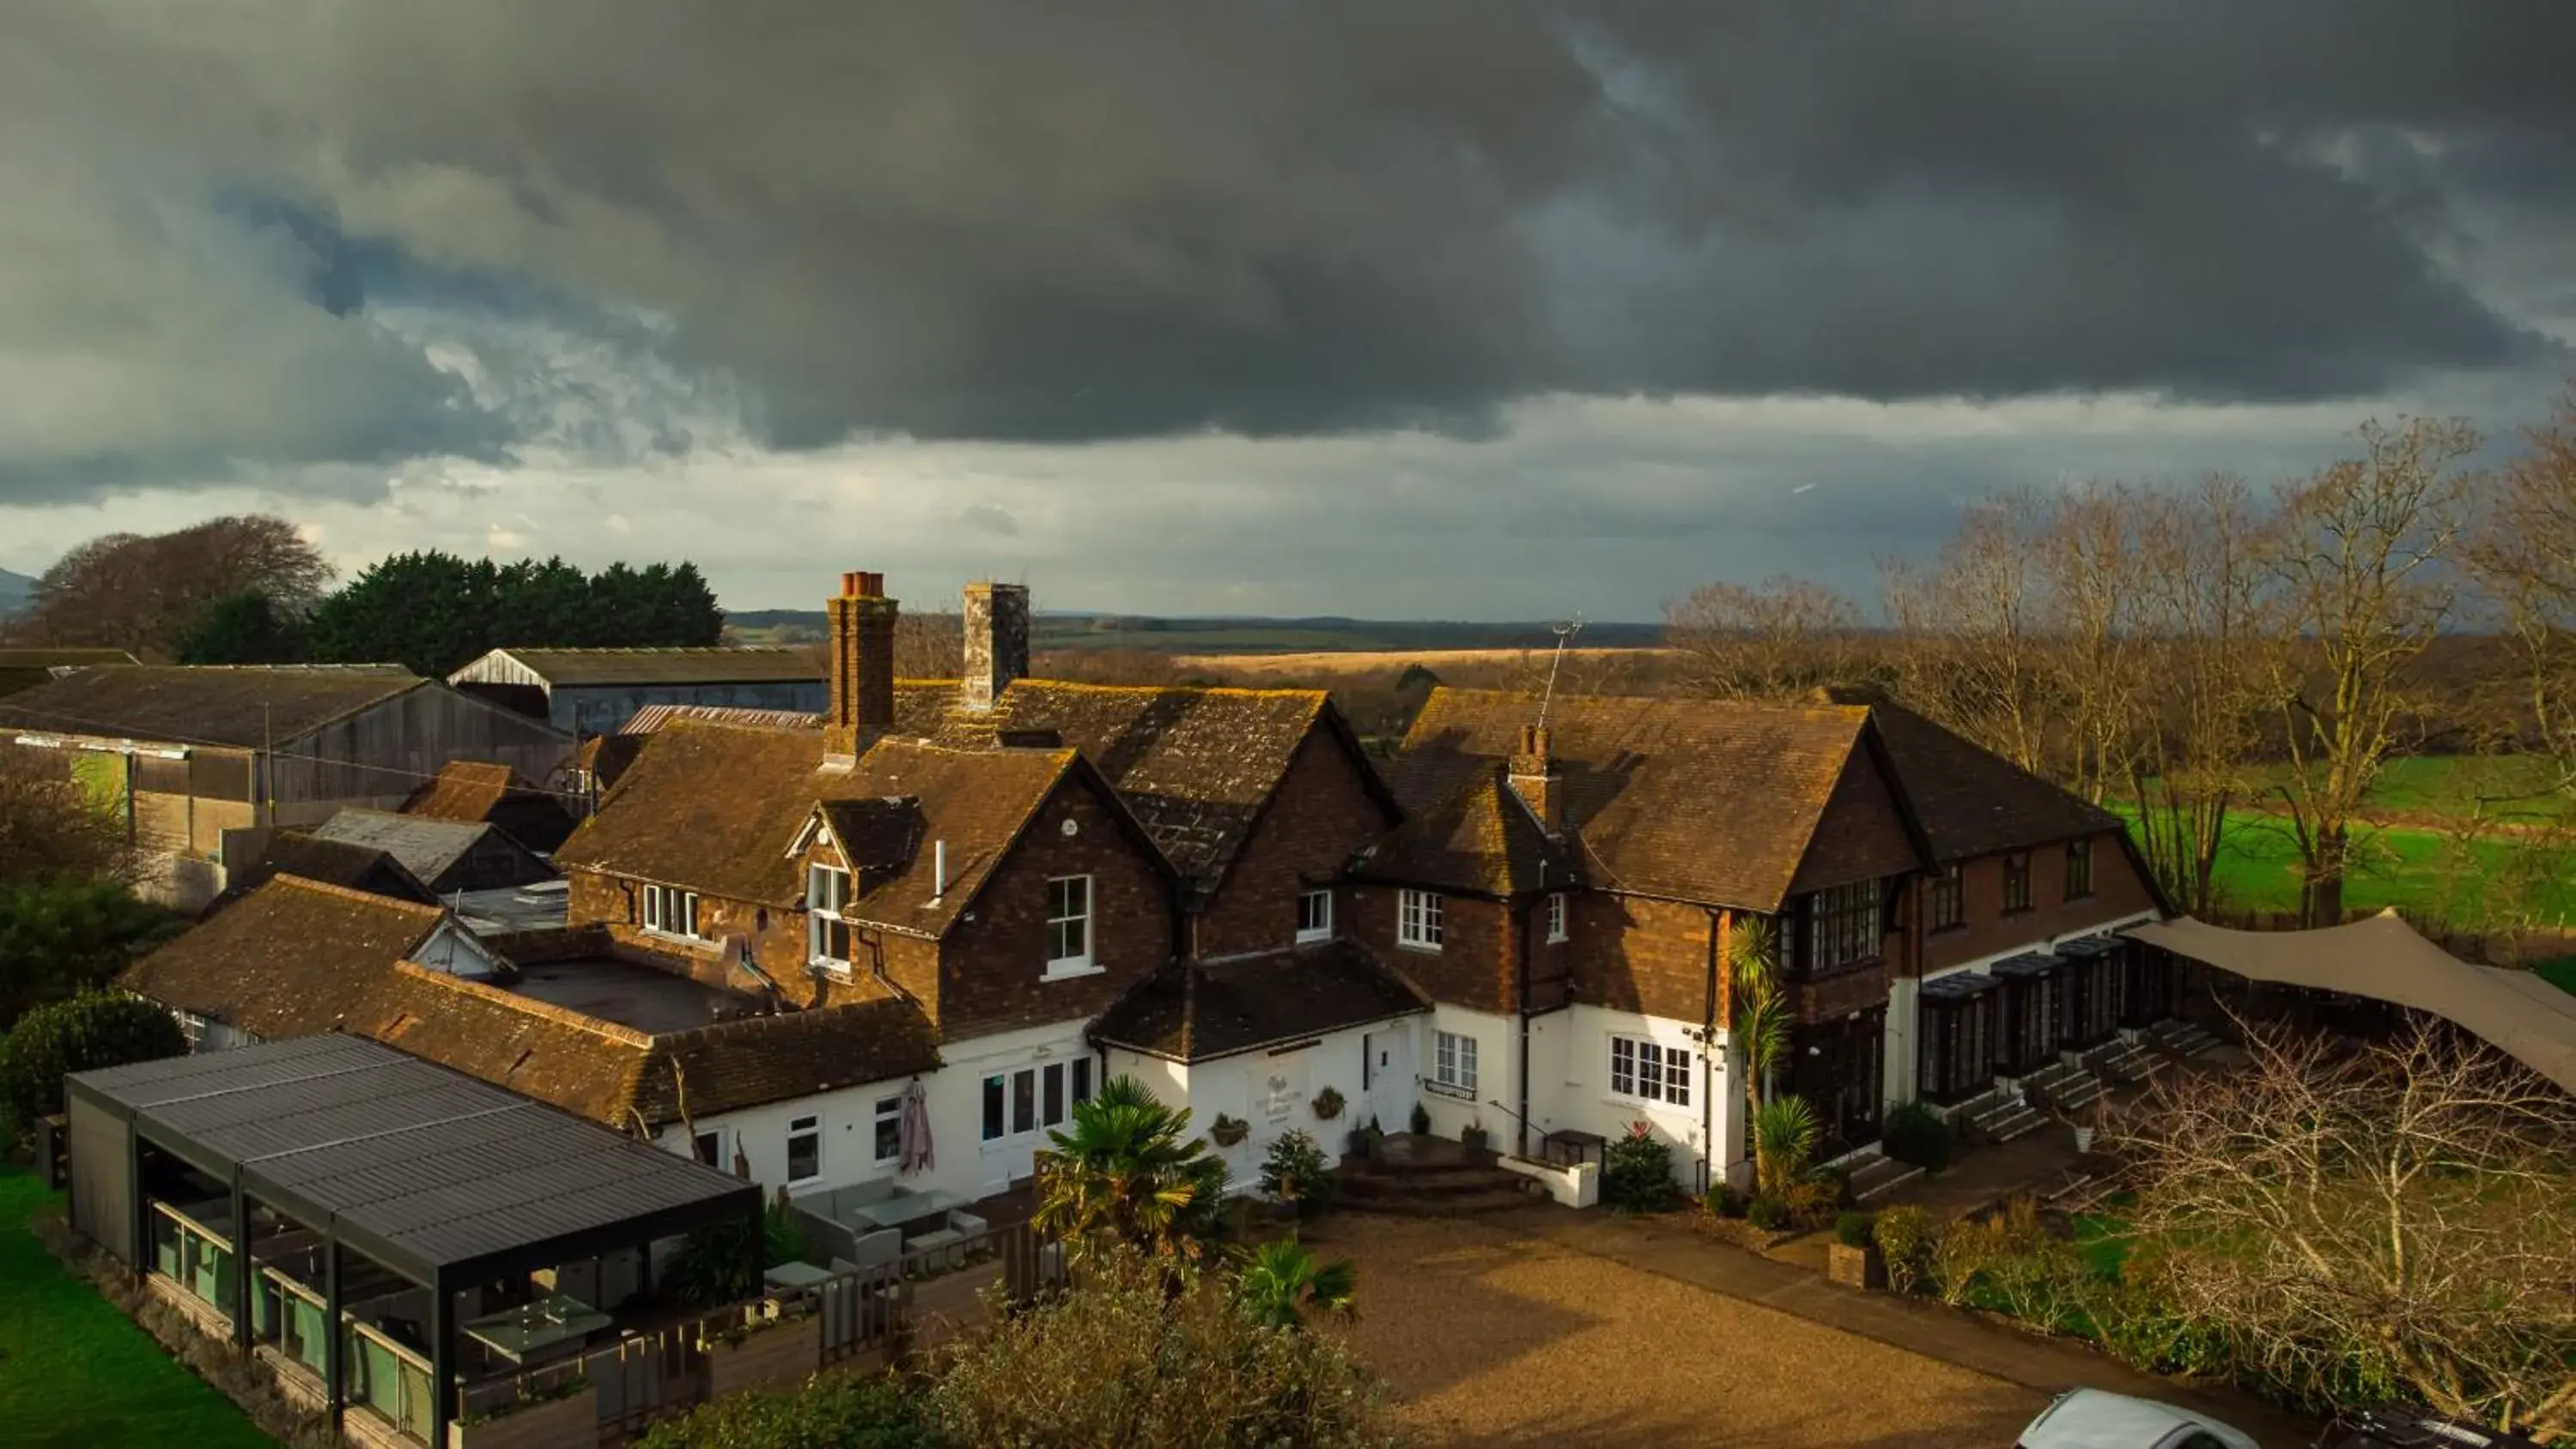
(1019, 1107)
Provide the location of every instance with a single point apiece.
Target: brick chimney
(862, 708)
(997, 643)
(1538, 780)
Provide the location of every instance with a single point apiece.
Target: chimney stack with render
(862, 710)
(1535, 777)
(996, 617)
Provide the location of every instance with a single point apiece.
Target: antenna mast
(1563, 632)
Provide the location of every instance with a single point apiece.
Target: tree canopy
(145, 592)
(80, 1035)
(247, 628)
(432, 612)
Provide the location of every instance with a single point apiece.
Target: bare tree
(2525, 555)
(49, 825)
(2093, 589)
(1972, 633)
(2395, 1215)
(2205, 639)
(1780, 639)
(2358, 558)
(143, 591)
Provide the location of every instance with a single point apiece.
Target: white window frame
(823, 910)
(1453, 1063)
(804, 1127)
(1061, 963)
(1648, 1071)
(1556, 917)
(1323, 929)
(656, 907)
(1418, 924)
(887, 1109)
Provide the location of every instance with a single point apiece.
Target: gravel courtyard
(1494, 1339)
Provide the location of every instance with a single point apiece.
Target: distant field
(1374, 661)
(2431, 789)
(2417, 869)
(1235, 636)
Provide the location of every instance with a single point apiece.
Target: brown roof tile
(1971, 803)
(1189, 1013)
(495, 794)
(240, 706)
(332, 862)
(1478, 838)
(1698, 800)
(289, 958)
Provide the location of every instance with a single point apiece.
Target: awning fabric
(2382, 957)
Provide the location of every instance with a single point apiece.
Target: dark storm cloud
(1059, 222)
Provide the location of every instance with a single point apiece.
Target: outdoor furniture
(878, 1249)
(904, 1207)
(1569, 1147)
(935, 1249)
(789, 1277)
(968, 1225)
(522, 1335)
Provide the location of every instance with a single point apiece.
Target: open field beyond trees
(75, 1373)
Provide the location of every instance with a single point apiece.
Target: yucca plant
(1124, 1167)
(1281, 1285)
(1758, 1019)
(1784, 1138)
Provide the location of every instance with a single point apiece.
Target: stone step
(2006, 1122)
(1880, 1176)
(2132, 1062)
(2183, 1039)
(1453, 1206)
(1366, 1187)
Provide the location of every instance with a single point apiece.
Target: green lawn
(2560, 973)
(75, 1373)
(2421, 870)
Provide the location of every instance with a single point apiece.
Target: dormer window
(1314, 915)
(827, 936)
(1417, 920)
(671, 911)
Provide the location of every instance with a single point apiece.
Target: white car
(2092, 1419)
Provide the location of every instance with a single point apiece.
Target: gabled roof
(332, 862)
(23, 668)
(1688, 799)
(717, 808)
(238, 706)
(1479, 838)
(490, 792)
(289, 958)
(427, 848)
(760, 664)
(872, 834)
(1190, 1012)
(1972, 803)
(614, 1074)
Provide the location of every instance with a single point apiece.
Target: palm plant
(1784, 1137)
(1758, 1017)
(1124, 1167)
(1281, 1285)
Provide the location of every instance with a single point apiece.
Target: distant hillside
(1223, 635)
(15, 591)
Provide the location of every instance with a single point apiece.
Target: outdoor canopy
(2382, 957)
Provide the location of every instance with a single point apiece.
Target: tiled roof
(715, 808)
(332, 862)
(1478, 838)
(1973, 803)
(23, 668)
(761, 664)
(1190, 1013)
(874, 834)
(493, 793)
(433, 849)
(607, 756)
(242, 706)
(1697, 800)
(613, 1074)
(289, 958)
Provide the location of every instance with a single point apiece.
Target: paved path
(1918, 1326)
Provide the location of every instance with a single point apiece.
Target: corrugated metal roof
(757, 664)
(442, 1168)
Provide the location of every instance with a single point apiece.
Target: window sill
(1068, 970)
(826, 966)
(1417, 947)
(1558, 940)
(1313, 938)
(674, 937)
(1443, 1089)
(1641, 1104)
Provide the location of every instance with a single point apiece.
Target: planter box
(572, 1419)
(1855, 1267)
(783, 1353)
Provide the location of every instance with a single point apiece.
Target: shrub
(1133, 1358)
(1724, 1201)
(1784, 1138)
(1904, 1236)
(1420, 1121)
(710, 1268)
(1297, 1174)
(1855, 1230)
(1916, 1134)
(93, 1030)
(828, 1411)
(1637, 1172)
(1769, 1214)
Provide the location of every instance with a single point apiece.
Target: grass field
(75, 1373)
(2417, 869)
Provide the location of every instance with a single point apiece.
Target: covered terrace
(456, 1234)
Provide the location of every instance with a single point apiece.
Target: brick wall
(1839, 995)
(1321, 813)
(1475, 966)
(1645, 956)
(990, 974)
(2118, 894)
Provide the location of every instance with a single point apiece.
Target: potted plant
(1473, 1135)
(1328, 1104)
(1420, 1121)
(1228, 1131)
(1853, 1258)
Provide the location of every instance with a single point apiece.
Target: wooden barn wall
(383, 752)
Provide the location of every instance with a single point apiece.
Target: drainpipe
(1707, 1066)
(1523, 993)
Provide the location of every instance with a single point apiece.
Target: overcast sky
(1472, 309)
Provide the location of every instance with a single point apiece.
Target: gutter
(1708, 1064)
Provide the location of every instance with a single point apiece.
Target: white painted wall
(458, 952)
(1584, 1101)
(1498, 1050)
(1273, 1092)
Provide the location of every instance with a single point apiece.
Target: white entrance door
(1391, 1088)
(1020, 1104)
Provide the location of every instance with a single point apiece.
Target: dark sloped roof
(289, 958)
(761, 664)
(241, 706)
(1699, 800)
(607, 756)
(1190, 1013)
(492, 792)
(432, 849)
(1972, 803)
(1479, 838)
(760, 1059)
(874, 834)
(332, 862)
(24, 668)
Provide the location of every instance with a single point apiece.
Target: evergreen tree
(244, 629)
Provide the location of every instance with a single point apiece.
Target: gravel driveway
(1494, 1339)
